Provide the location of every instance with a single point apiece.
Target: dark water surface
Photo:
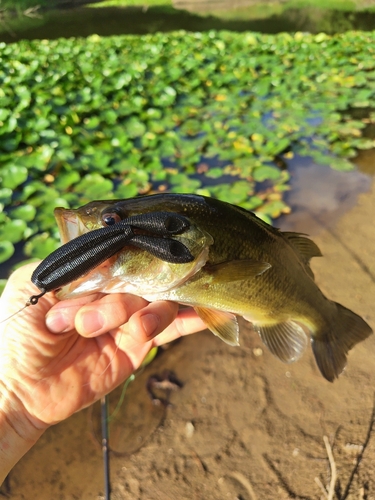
(108, 21)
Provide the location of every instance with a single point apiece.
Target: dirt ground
(244, 426)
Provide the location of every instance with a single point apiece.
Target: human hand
(59, 357)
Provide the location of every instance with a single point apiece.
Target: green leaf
(66, 180)
(272, 208)
(95, 186)
(40, 246)
(126, 191)
(134, 128)
(6, 251)
(13, 230)
(263, 173)
(214, 173)
(12, 176)
(4, 113)
(5, 196)
(24, 212)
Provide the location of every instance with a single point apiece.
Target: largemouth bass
(242, 267)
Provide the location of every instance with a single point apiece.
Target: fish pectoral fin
(237, 270)
(222, 324)
(287, 340)
(305, 247)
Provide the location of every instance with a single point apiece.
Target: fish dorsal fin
(305, 247)
(222, 324)
(287, 341)
(237, 270)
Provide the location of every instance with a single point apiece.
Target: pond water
(108, 21)
(317, 192)
(319, 196)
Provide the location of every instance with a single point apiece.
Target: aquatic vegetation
(216, 113)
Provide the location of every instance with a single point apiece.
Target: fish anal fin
(286, 340)
(237, 270)
(222, 324)
(305, 247)
(332, 343)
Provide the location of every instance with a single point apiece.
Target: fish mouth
(69, 224)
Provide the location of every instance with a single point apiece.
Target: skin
(59, 357)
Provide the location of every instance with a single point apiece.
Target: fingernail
(150, 324)
(92, 322)
(57, 322)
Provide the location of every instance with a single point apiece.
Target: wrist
(18, 433)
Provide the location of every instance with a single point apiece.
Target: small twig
(321, 486)
(331, 491)
(245, 483)
(332, 464)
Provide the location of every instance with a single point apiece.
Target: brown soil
(244, 426)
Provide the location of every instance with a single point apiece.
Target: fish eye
(110, 218)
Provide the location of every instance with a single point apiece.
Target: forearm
(17, 433)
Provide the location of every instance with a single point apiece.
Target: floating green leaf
(12, 176)
(134, 128)
(5, 196)
(40, 246)
(6, 250)
(13, 230)
(94, 186)
(264, 172)
(25, 212)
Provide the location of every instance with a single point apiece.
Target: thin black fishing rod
(105, 446)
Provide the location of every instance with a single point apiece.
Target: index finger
(186, 323)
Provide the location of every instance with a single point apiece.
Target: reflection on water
(319, 195)
(108, 21)
(365, 161)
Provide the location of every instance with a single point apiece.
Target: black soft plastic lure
(151, 232)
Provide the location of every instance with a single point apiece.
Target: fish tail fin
(333, 341)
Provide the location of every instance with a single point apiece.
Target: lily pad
(6, 251)
(94, 186)
(265, 172)
(25, 212)
(40, 246)
(12, 176)
(5, 196)
(13, 231)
